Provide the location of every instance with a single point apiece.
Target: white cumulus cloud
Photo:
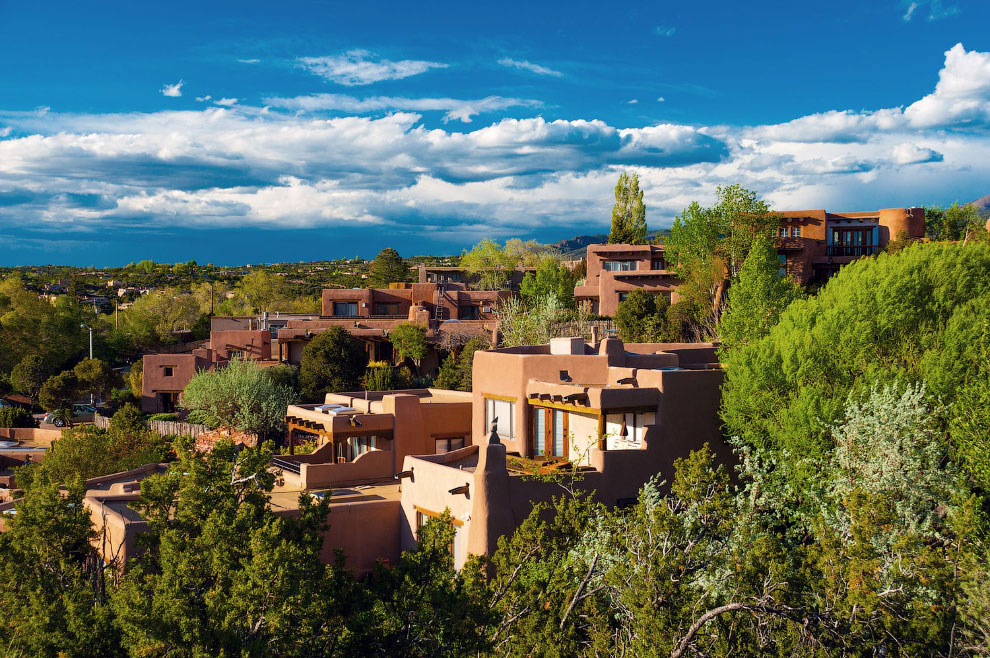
(173, 90)
(225, 102)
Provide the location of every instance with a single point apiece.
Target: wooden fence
(163, 427)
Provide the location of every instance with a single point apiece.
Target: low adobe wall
(372, 466)
(29, 435)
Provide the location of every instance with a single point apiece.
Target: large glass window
(504, 411)
(635, 424)
(658, 264)
(619, 265)
(345, 308)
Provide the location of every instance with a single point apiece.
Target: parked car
(79, 412)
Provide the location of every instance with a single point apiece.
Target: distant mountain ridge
(577, 247)
(982, 204)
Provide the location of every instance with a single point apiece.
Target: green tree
(136, 377)
(551, 278)
(388, 267)
(55, 586)
(707, 246)
(332, 361)
(380, 376)
(955, 222)
(423, 606)
(409, 341)
(59, 391)
(642, 317)
(628, 213)
(87, 451)
(227, 576)
(456, 371)
(29, 375)
(16, 417)
(757, 298)
(492, 264)
(917, 315)
(239, 395)
(95, 377)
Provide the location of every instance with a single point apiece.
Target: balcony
(839, 250)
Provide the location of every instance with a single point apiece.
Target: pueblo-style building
(370, 314)
(446, 310)
(614, 270)
(619, 414)
(813, 244)
(615, 415)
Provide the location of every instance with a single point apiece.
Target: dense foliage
(333, 361)
(628, 213)
(388, 267)
(240, 395)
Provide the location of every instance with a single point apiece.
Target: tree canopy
(238, 395)
(332, 361)
(388, 267)
(628, 213)
(491, 263)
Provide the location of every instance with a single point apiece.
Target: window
(345, 308)
(658, 264)
(360, 444)
(795, 231)
(550, 432)
(782, 264)
(623, 296)
(619, 265)
(469, 313)
(505, 411)
(168, 370)
(389, 308)
(636, 423)
(446, 445)
(235, 354)
(852, 237)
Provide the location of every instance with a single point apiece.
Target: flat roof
(287, 498)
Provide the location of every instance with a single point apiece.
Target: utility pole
(86, 326)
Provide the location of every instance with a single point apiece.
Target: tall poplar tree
(628, 213)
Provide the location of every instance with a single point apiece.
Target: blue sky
(261, 132)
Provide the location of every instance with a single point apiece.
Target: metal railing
(286, 465)
(851, 250)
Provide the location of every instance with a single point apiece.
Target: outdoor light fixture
(354, 421)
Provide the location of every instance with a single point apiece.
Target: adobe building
(813, 244)
(389, 461)
(620, 414)
(614, 270)
(164, 376)
(370, 314)
(364, 437)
